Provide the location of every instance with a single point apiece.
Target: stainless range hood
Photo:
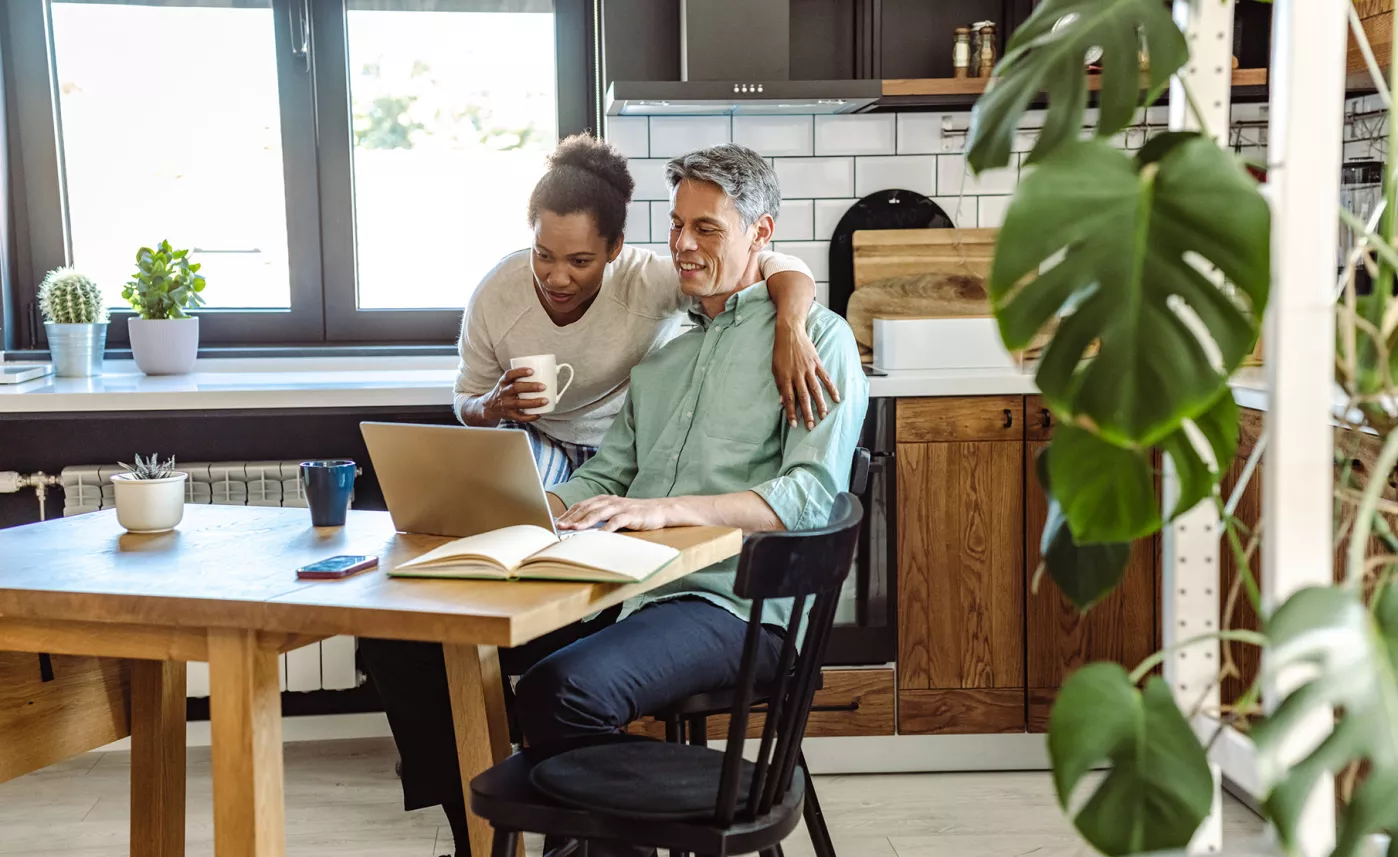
(735, 58)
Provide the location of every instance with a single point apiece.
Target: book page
(623, 556)
(506, 547)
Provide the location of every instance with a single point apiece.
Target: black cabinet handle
(1009, 418)
(1048, 418)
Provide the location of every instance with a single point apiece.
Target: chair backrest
(859, 472)
(805, 566)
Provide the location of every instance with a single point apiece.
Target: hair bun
(598, 157)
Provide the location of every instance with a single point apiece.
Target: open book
(529, 552)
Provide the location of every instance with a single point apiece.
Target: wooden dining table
(97, 624)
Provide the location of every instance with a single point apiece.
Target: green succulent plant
(165, 284)
(151, 468)
(68, 296)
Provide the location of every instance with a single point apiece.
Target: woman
(601, 306)
(581, 294)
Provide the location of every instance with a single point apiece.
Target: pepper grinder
(985, 55)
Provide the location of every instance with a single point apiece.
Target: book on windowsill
(533, 553)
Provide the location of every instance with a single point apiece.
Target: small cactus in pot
(75, 321)
(68, 296)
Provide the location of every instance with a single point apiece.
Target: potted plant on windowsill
(75, 322)
(150, 495)
(164, 338)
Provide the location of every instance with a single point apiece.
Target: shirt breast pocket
(745, 406)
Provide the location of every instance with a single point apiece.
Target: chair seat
(656, 780)
(505, 795)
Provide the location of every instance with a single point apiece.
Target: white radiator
(328, 665)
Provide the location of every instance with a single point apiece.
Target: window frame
(318, 164)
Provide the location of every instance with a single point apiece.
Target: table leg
(157, 758)
(246, 723)
(482, 728)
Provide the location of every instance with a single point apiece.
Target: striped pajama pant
(555, 459)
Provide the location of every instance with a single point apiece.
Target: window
(345, 170)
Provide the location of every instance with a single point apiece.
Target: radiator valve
(12, 482)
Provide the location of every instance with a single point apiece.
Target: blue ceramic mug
(328, 484)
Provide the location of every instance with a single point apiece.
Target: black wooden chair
(686, 797)
(687, 721)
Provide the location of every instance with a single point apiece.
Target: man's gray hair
(743, 174)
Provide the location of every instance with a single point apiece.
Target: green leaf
(1218, 430)
(1126, 236)
(1159, 788)
(1084, 573)
(1329, 635)
(1107, 493)
(1039, 59)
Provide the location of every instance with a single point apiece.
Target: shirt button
(688, 414)
(739, 318)
(674, 458)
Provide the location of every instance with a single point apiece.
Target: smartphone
(336, 567)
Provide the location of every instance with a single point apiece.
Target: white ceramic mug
(546, 368)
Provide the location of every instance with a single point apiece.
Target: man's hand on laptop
(616, 513)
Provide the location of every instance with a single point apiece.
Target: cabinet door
(961, 566)
(1059, 637)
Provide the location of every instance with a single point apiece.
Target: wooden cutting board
(918, 273)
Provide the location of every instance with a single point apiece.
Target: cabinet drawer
(850, 702)
(953, 419)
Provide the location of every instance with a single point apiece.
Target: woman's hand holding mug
(512, 394)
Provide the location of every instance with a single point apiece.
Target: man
(700, 440)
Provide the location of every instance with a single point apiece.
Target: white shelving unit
(1305, 122)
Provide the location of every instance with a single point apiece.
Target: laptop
(445, 480)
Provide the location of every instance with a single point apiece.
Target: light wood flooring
(343, 800)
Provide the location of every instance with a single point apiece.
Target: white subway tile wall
(828, 213)
(919, 133)
(638, 223)
(806, 178)
(992, 211)
(660, 222)
(649, 175)
(856, 135)
(961, 210)
(826, 163)
(671, 136)
(917, 173)
(630, 134)
(816, 255)
(794, 223)
(775, 136)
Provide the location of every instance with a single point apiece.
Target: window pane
(171, 130)
(454, 114)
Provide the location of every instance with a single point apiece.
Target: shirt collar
(732, 314)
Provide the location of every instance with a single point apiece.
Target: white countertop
(330, 382)
(349, 382)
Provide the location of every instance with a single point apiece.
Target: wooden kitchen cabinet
(1248, 511)
(961, 565)
(1059, 638)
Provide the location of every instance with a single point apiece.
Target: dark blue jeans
(585, 680)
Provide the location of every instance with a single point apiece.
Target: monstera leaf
(1085, 573)
(1040, 58)
(1352, 658)
(1107, 492)
(1159, 788)
(1117, 252)
(1215, 430)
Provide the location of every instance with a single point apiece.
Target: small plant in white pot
(164, 339)
(150, 495)
(75, 322)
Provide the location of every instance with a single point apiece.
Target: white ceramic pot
(164, 346)
(149, 505)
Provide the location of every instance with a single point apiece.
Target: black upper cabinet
(829, 39)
